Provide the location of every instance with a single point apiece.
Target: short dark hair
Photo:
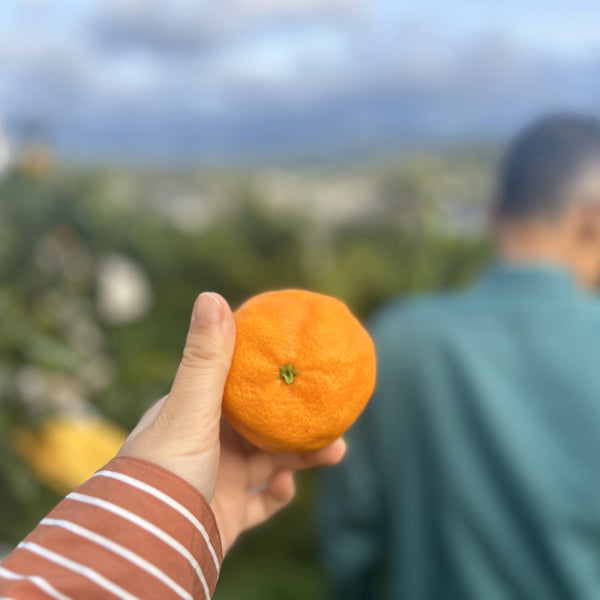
(543, 163)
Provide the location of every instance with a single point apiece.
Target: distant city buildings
(4, 151)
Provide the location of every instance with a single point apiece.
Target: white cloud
(188, 25)
(240, 10)
(221, 71)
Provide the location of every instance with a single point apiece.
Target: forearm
(132, 530)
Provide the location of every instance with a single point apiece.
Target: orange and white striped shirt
(133, 530)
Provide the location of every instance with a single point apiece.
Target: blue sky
(230, 78)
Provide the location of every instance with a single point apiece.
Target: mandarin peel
(303, 369)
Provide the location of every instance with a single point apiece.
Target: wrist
(199, 469)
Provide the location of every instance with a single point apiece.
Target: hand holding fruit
(182, 432)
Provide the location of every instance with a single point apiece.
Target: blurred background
(151, 150)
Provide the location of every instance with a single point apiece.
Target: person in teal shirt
(474, 472)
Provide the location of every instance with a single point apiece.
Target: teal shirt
(474, 472)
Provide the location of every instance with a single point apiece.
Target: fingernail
(207, 310)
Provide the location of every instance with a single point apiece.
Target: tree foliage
(58, 352)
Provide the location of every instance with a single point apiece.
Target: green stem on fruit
(287, 373)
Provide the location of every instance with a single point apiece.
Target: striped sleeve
(133, 530)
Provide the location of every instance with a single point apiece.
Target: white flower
(124, 292)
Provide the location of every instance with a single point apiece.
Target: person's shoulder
(416, 313)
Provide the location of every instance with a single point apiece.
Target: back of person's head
(551, 164)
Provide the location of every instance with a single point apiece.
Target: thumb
(194, 402)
